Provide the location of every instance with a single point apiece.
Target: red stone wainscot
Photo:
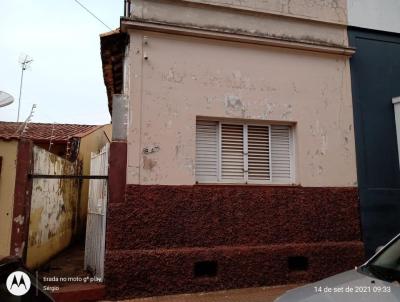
(243, 236)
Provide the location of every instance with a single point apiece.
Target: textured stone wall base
(161, 272)
(157, 234)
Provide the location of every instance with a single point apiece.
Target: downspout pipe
(127, 8)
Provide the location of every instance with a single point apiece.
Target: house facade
(233, 155)
(374, 30)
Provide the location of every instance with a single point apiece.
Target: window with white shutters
(243, 153)
(258, 153)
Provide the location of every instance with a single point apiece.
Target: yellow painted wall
(53, 208)
(8, 150)
(92, 142)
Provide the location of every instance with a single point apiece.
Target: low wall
(170, 239)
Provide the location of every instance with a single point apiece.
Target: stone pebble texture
(157, 235)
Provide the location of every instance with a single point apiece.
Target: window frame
(246, 179)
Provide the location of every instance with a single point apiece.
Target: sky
(65, 79)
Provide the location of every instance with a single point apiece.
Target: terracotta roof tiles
(112, 45)
(43, 132)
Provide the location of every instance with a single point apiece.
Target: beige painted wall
(92, 142)
(186, 77)
(324, 10)
(53, 208)
(8, 150)
(280, 24)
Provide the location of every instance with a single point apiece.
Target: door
(96, 217)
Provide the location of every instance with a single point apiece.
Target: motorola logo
(18, 283)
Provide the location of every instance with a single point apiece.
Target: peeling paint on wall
(233, 81)
(320, 133)
(332, 10)
(19, 219)
(148, 164)
(237, 21)
(234, 105)
(173, 76)
(53, 208)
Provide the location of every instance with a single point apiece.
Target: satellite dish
(5, 99)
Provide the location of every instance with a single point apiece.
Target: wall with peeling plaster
(317, 21)
(53, 208)
(187, 77)
(8, 151)
(326, 10)
(331, 11)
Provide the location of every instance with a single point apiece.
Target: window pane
(206, 151)
(281, 153)
(258, 153)
(232, 152)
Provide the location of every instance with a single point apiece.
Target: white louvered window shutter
(232, 153)
(244, 153)
(207, 151)
(258, 144)
(281, 145)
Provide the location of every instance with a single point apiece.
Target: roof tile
(44, 132)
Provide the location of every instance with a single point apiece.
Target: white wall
(375, 14)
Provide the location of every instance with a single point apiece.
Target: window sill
(245, 184)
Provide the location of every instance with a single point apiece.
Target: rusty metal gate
(96, 217)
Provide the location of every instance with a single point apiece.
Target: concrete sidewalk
(259, 294)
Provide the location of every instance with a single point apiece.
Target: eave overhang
(112, 56)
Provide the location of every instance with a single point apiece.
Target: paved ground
(69, 263)
(260, 294)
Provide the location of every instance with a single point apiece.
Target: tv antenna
(5, 99)
(24, 61)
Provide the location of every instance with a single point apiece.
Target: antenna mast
(25, 61)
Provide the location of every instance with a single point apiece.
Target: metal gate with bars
(96, 217)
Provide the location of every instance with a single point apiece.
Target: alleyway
(68, 263)
(260, 294)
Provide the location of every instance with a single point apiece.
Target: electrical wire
(85, 8)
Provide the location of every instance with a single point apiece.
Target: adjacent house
(375, 71)
(232, 162)
(39, 217)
